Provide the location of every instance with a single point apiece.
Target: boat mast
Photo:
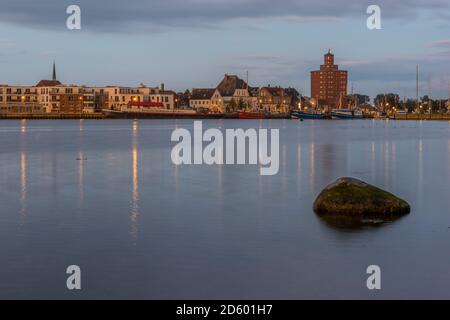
(430, 102)
(417, 87)
(448, 101)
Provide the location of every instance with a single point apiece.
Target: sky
(192, 43)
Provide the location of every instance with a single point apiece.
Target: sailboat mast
(417, 86)
(448, 101)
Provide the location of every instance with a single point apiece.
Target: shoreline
(103, 116)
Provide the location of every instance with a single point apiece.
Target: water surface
(105, 195)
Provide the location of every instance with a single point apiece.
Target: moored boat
(251, 115)
(346, 114)
(308, 115)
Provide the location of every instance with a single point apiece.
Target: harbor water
(105, 195)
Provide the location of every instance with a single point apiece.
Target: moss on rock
(355, 198)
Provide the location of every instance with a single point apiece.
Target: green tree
(231, 107)
(241, 105)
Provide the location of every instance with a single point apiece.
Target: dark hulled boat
(308, 115)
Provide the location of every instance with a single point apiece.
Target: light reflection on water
(135, 191)
(105, 195)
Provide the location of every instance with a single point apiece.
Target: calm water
(105, 195)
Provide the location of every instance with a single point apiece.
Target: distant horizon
(157, 85)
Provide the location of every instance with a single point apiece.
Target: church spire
(54, 71)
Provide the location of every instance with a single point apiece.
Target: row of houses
(51, 96)
(233, 93)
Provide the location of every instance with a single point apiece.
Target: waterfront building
(19, 100)
(329, 84)
(183, 99)
(206, 99)
(235, 91)
(95, 99)
(71, 102)
(134, 98)
(119, 97)
(274, 99)
(58, 98)
(51, 96)
(253, 103)
(294, 97)
(161, 95)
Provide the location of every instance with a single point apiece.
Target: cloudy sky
(193, 43)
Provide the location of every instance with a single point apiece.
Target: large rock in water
(354, 199)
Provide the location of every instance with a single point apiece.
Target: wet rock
(350, 201)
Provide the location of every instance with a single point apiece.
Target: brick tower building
(329, 84)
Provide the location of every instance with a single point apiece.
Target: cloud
(163, 15)
(10, 48)
(441, 44)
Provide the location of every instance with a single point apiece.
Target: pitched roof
(229, 84)
(275, 91)
(48, 83)
(253, 91)
(202, 94)
(292, 92)
(168, 92)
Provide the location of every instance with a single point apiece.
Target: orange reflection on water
(135, 186)
(23, 185)
(23, 126)
(23, 170)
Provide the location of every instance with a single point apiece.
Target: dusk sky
(193, 43)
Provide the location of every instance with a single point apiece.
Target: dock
(423, 116)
